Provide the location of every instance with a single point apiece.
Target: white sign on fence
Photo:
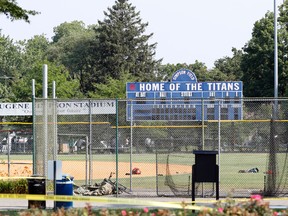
(63, 108)
(16, 109)
(85, 107)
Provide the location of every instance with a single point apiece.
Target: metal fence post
(116, 150)
(33, 127)
(203, 124)
(90, 143)
(131, 139)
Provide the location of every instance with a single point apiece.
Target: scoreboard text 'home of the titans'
(184, 99)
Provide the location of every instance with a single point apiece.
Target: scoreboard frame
(184, 99)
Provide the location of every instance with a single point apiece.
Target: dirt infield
(100, 170)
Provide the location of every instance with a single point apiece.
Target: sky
(185, 30)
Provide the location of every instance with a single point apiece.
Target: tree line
(96, 61)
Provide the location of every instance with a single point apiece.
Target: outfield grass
(229, 162)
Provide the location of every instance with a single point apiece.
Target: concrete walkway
(19, 204)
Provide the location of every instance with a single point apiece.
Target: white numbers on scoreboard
(140, 94)
(186, 94)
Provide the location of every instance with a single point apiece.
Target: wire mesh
(92, 144)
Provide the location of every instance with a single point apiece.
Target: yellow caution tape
(21, 177)
(126, 201)
(110, 200)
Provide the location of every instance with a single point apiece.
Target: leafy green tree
(202, 73)
(67, 29)
(283, 49)
(216, 75)
(10, 62)
(114, 88)
(33, 50)
(71, 47)
(65, 86)
(165, 71)
(200, 70)
(258, 58)
(257, 63)
(230, 66)
(9, 56)
(5, 93)
(123, 46)
(13, 12)
(283, 86)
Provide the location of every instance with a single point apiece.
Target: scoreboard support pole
(219, 142)
(131, 142)
(203, 123)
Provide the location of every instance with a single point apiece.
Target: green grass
(99, 157)
(230, 164)
(235, 159)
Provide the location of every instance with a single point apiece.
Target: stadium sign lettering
(184, 74)
(154, 101)
(184, 86)
(63, 108)
(85, 104)
(232, 86)
(4, 106)
(16, 109)
(151, 87)
(84, 107)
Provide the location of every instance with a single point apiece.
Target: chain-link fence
(149, 149)
(16, 147)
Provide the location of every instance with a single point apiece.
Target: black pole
(54, 181)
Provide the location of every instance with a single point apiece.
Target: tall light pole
(275, 55)
(271, 181)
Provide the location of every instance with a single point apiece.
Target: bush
(254, 207)
(19, 186)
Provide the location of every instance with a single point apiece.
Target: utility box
(205, 169)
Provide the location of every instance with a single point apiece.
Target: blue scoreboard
(184, 99)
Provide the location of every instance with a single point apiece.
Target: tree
(202, 73)
(123, 46)
(231, 66)
(33, 50)
(10, 62)
(71, 47)
(283, 57)
(67, 29)
(257, 63)
(258, 58)
(200, 70)
(114, 88)
(65, 86)
(166, 71)
(5, 93)
(13, 12)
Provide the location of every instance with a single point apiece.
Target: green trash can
(64, 187)
(37, 185)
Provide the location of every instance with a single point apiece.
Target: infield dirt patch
(100, 170)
